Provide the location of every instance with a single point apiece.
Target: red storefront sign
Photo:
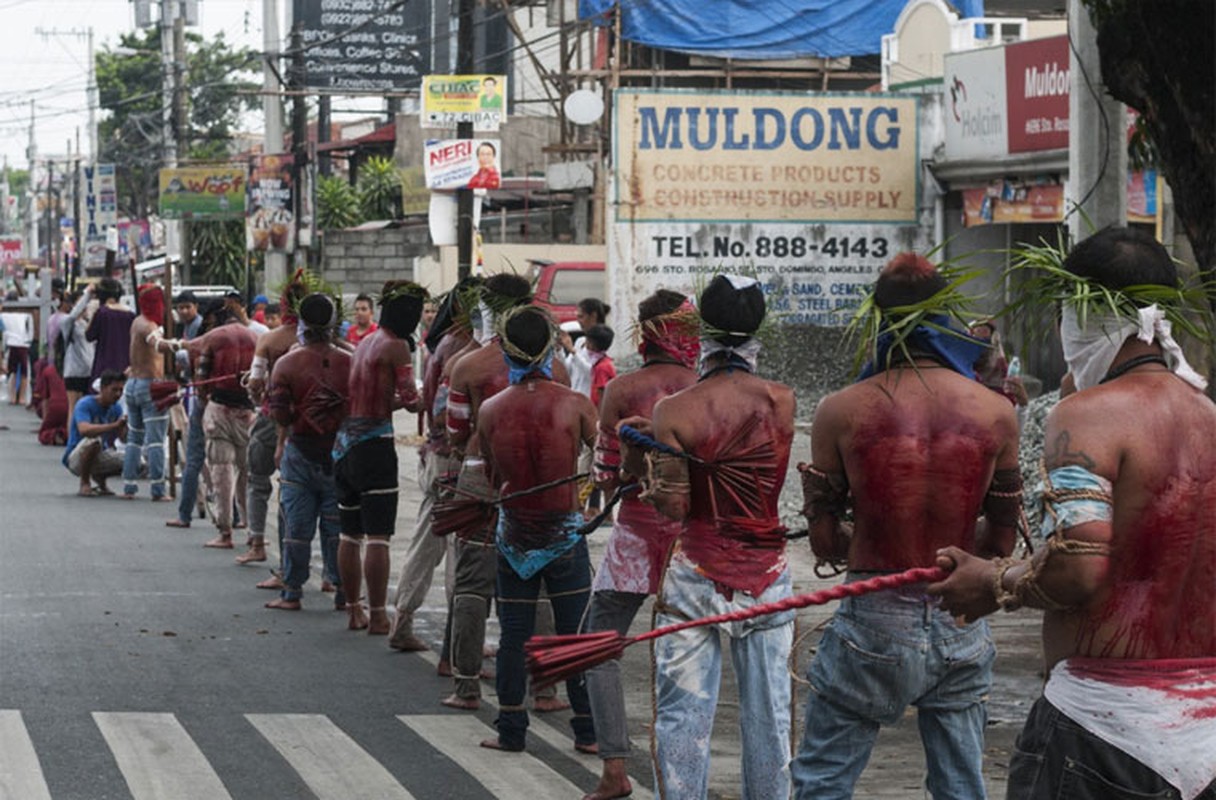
(1036, 93)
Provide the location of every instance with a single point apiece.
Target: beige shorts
(108, 462)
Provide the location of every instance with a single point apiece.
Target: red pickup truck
(561, 284)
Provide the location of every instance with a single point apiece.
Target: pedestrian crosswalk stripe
(21, 775)
(329, 761)
(507, 776)
(158, 758)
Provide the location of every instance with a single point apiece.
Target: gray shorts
(108, 462)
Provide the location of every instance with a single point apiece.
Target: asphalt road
(134, 663)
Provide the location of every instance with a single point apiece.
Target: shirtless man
(263, 438)
(1126, 578)
(918, 450)
(476, 374)
(737, 429)
(308, 398)
(146, 425)
(641, 538)
(530, 434)
(426, 550)
(225, 355)
(365, 453)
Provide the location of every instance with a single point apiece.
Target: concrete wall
(362, 260)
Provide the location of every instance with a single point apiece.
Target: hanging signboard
(208, 192)
(809, 193)
(98, 212)
(269, 224)
(448, 100)
(10, 250)
(463, 164)
(358, 46)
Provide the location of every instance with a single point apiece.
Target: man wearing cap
(1125, 578)
(308, 398)
(531, 434)
(919, 450)
(259, 308)
(146, 424)
(365, 453)
(732, 431)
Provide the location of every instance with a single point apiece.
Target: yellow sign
(451, 99)
(207, 192)
(765, 157)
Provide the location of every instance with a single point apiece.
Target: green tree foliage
(219, 251)
(1157, 58)
(129, 86)
(379, 189)
(337, 203)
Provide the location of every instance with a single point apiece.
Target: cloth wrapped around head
(401, 304)
(453, 311)
(911, 285)
(318, 318)
(668, 323)
(528, 336)
(151, 301)
(732, 309)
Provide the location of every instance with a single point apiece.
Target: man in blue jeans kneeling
(918, 449)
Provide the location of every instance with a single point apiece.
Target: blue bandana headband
(517, 371)
(956, 351)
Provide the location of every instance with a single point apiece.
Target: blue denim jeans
(196, 453)
(307, 495)
(881, 653)
(688, 674)
(567, 580)
(146, 428)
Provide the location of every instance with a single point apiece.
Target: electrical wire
(1106, 135)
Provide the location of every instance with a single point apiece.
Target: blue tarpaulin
(755, 29)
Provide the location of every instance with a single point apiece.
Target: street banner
(810, 194)
(207, 192)
(10, 250)
(1003, 202)
(463, 164)
(134, 239)
(364, 46)
(98, 212)
(451, 99)
(269, 221)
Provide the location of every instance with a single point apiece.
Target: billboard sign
(98, 212)
(809, 193)
(976, 110)
(208, 192)
(269, 220)
(463, 164)
(364, 46)
(448, 100)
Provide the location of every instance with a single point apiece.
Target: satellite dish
(584, 107)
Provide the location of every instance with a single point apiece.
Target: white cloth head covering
(1091, 350)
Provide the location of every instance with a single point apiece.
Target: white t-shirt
(18, 329)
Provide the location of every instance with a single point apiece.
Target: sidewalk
(896, 768)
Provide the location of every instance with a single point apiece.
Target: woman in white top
(77, 349)
(590, 312)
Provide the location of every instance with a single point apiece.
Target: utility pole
(50, 215)
(276, 263)
(182, 137)
(94, 155)
(465, 64)
(32, 223)
(324, 162)
(168, 12)
(1097, 135)
(299, 134)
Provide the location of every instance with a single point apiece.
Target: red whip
(555, 658)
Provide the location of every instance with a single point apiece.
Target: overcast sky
(52, 70)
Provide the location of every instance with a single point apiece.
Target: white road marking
(21, 775)
(158, 758)
(333, 765)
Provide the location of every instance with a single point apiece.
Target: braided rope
(633, 436)
(875, 584)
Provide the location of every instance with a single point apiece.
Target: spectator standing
(110, 330)
(590, 312)
(78, 349)
(363, 325)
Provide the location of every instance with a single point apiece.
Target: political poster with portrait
(463, 164)
(448, 100)
(269, 221)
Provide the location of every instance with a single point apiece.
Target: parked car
(561, 284)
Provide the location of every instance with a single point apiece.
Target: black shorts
(19, 361)
(78, 385)
(366, 479)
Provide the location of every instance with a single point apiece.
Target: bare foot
(358, 620)
(104, 490)
(489, 650)
(444, 668)
(162, 498)
(406, 642)
(494, 744)
(126, 496)
(176, 523)
(87, 491)
(285, 605)
(255, 552)
(379, 624)
(274, 582)
(463, 703)
(221, 542)
(327, 586)
(545, 705)
(610, 792)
